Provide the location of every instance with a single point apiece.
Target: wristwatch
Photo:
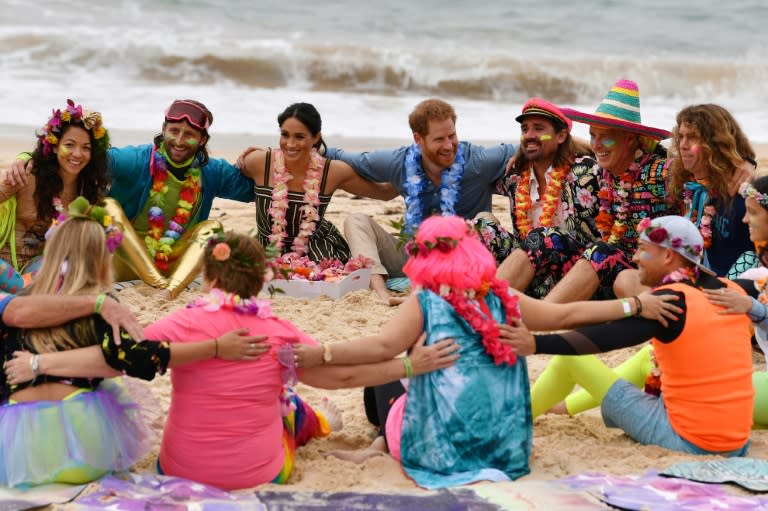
(327, 355)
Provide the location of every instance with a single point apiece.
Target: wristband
(627, 307)
(638, 305)
(99, 303)
(34, 362)
(408, 367)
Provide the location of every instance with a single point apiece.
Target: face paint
(192, 142)
(644, 255)
(64, 150)
(609, 142)
(695, 148)
(544, 138)
(170, 139)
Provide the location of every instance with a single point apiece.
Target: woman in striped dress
(294, 185)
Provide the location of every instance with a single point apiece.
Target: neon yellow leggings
(564, 372)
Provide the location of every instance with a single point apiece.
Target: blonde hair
(75, 262)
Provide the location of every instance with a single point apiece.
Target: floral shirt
(138, 359)
(646, 183)
(578, 199)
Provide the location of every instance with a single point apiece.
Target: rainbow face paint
(544, 138)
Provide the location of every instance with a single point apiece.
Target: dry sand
(562, 446)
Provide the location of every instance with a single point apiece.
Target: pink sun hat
(619, 109)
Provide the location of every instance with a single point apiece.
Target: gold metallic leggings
(132, 260)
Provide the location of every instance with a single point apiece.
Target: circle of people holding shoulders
(614, 243)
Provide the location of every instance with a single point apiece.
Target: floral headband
(81, 208)
(748, 191)
(660, 236)
(91, 121)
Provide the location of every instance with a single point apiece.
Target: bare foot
(331, 413)
(164, 294)
(559, 409)
(377, 448)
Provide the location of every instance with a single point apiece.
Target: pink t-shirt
(224, 425)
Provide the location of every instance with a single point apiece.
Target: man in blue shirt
(436, 175)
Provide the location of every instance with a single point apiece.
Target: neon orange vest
(706, 374)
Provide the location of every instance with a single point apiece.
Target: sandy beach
(562, 446)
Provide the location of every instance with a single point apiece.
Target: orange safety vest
(706, 374)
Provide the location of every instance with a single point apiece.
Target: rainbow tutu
(75, 440)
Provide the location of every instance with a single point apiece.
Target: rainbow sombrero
(620, 109)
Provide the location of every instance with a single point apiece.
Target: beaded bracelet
(408, 367)
(99, 303)
(638, 305)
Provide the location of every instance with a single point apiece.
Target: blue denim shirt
(483, 167)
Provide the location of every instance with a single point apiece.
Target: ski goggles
(187, 111)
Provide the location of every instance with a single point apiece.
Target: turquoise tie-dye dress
(469, 422)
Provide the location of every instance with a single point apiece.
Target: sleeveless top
(706, 374)
(325, 242)
(472, 421)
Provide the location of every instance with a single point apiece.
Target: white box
(358, 279)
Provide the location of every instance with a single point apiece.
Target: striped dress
(326, 241)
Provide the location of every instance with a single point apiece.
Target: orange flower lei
(552, 196)
(613, 229)
(161, 235)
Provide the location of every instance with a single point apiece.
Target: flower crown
(91, 121)
(748, 191)
(81, 208)
(423, 248)
(660, 236)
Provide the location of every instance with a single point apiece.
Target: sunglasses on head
(190, 112)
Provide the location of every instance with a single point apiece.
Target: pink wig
(467, 266)
(448, 258)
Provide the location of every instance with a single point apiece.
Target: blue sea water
(365, 65)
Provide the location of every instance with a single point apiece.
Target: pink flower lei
(470, 305)
(217, 300)
(310, 215)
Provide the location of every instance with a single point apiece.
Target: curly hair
(723, 146)
(92, 181)
(429, 110)
(242, 272)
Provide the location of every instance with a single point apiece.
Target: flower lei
(49, 134)
(703, 222)
(161, 236)
(471, 306)
(450, 186)
(551, 195)
(614, 228)
(311, 201)
(682, 274)
(217, 300)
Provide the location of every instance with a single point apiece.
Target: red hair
(461, 274)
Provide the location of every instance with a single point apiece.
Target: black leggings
(378, 400)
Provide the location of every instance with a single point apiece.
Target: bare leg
(379, 286)
(377, 448)
(628, 284)
(580, 283)
(517, 270)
